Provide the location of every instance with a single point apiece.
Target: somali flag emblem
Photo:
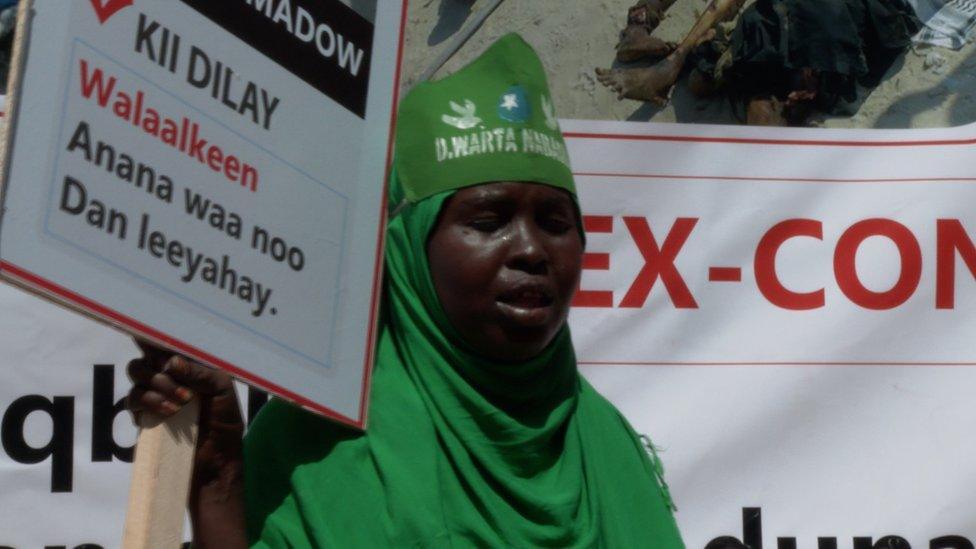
(513, 105)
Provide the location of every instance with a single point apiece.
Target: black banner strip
(323, 42)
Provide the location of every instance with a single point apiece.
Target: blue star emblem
(513, 105)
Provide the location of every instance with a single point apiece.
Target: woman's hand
(162, 384)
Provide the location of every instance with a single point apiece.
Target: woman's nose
(526, 250)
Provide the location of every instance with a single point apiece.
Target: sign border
(64, 297)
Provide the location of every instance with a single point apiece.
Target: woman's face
(505, 260)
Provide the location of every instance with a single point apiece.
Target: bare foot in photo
(637, 43)
(652, 83)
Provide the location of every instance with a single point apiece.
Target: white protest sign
(788, 314)
(210, 176)
(862, 238)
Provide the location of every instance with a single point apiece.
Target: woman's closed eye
(487, 223)
(556, 223)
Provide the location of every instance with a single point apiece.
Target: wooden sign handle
(161, 480)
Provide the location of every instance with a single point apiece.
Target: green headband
(493, 120)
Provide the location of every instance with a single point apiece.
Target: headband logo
(466, 118)
(513, 106)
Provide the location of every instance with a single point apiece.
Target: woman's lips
(527, 305)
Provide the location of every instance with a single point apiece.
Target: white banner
(789, 315)
(785, 315)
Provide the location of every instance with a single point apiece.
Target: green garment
(460, 451)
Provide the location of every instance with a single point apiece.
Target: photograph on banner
(782, 311)
(911, 65)
(210, 180)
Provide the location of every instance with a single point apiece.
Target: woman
(481, 431)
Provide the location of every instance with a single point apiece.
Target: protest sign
(210, 177)
(861, 237)
(788, 313)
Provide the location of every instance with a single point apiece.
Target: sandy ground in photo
(927, 87)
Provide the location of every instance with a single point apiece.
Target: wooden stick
(161, 480)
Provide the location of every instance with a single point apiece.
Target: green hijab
(460, 451)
